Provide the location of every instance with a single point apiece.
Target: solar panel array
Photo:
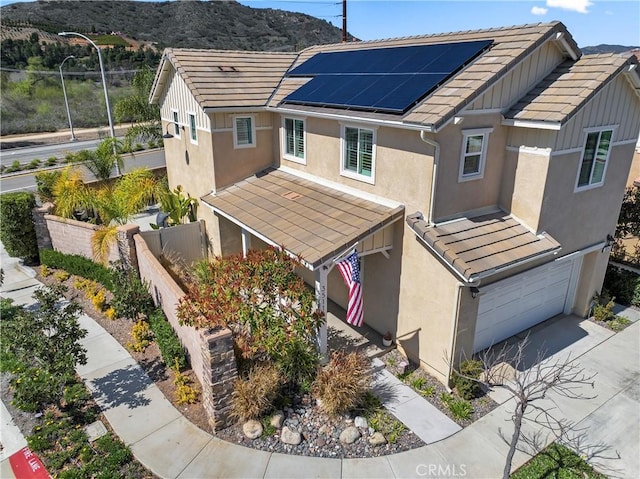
(390, 80)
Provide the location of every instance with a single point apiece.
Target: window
(474, 153)
(192, 127)
(176, 124)
(358, 153)
(594, 158)
(244, 132)
(294, 139)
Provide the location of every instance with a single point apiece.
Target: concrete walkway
(171, 447)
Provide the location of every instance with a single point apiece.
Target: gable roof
(568, 88)
(221, 79)
(224, 78)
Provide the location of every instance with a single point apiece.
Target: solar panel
(389, 79)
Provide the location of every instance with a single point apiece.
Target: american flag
(350, 271)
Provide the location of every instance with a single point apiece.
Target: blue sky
(591, 22)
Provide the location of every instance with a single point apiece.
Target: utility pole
(344, 21)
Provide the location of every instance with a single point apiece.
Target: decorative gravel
(320, 435)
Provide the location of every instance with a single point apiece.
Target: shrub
(168, 343)
(45, 271)
(17, 232)
(44, 184)
(623, 284)
(254, 396)
(131, 296)
(61, 275)
(110, 313)
(15, 167)
(51, 161)
(34, 164)
(342, 383)
(185, 392)
(603, 309)
(142, 335)
(78, 265)
(466, 380)
(99, 299)
(460, 409)
(386, 424)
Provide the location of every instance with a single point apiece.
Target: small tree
(136, 108)
(529, 385)
(264, 303)
(104, 159)
(42, 346)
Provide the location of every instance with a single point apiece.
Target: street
(152, 159)
(59, 150)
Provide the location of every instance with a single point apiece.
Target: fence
(188, 241)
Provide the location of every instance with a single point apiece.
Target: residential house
(478, 174)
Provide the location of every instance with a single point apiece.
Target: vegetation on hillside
(224, 25)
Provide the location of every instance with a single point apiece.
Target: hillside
(604, 48)
(187, 24)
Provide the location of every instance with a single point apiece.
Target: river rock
(289, 436)
(361, 422)
(350, 435)
(252, 429)
(377, 439)
(277, 419)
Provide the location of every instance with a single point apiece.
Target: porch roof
(481, 246)
(309, 219)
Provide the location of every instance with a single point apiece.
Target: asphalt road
(152, 159)
(59, 150)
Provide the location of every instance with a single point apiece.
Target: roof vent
(292, 195)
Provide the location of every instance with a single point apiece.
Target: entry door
(514, 304)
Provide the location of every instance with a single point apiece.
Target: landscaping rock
(377, 439)
(361, 422)
(252, 429)
(289, 436)
(350, 435)
(277, 419)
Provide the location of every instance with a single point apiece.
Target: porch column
(321, 303)
(246, 241)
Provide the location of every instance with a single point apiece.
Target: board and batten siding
(178, 97)
(520, 79)
(611, 106)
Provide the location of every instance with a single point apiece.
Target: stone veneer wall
(211, 351)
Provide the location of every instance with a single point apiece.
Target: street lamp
(104, 85)
(66, 102)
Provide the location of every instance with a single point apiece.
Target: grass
(556, 462)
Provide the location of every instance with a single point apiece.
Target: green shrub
(17, 232)
(460, 409)
(254, 396)
(386, 424)
(51, 161)
(131, 296)
(15, 167)
(466, 380)
(44, 184)
(623, 284)
(341, 385)
(78, 265)
(34, 164)
(603, 312)
(167, 340)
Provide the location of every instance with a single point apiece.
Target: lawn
(556, 461)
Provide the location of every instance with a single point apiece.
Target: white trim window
(192, 128)
(358, 153)
(176, 123)
(294, 139)
(244, 132)
(594, 158)
(474, 154)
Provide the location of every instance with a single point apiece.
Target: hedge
(168, 342)
(78, 265)
(17, 233)
(623, 285)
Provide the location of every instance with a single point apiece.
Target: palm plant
(102, 161)
(70, 192)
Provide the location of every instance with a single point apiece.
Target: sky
(591, 22)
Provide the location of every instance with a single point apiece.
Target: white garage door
(514, 304)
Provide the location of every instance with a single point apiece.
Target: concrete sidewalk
(171, 447)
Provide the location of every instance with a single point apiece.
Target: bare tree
(530, 382)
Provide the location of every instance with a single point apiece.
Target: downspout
(454, 330)
(434, 174)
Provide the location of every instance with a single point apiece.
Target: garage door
(514, 304)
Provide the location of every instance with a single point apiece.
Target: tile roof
(308, 219)
(483, 245)
(228, 79)
(569, 87)
(224, 78)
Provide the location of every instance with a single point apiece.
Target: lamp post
(104, 85)
(66, 102)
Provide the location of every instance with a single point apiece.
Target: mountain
(604, 48)
(186, 24)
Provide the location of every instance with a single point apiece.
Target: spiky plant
(70, 192)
